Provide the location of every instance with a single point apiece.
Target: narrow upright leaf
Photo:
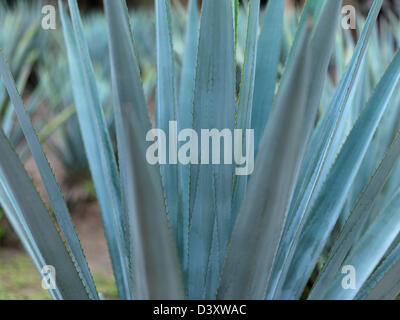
(243, 121)
(268, 53)
(53, 190)
(97, 143)
(330, 200)
(166, 112)
(322, 40)
(260, 221)
(128, 92)
(185, 115)
(151, 243)
(211, 184)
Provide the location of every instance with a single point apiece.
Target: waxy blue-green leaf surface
(185, 115)
(97, 143)
(375, 242)
(56, 199)
(211, 185)
(332, 196)
(261, 218)
(268, 51)
(355, 221)
(32, 219)
(141, 182)
(319, 157)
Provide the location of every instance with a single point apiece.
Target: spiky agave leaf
(155, 268)
(57, 201)
(260, 220)
(211, 185)
(33, 223)
(356, 221)
(333, 193)
(97, 144)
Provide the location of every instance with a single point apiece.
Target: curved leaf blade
(150, 240)
(263, 212)
(247, 88)
(53, 190)
(333, 193)
(166, 111)
(185, 116)
(268, 53)
(355, 221)
(211, 185)
(35, 225)
(97, 143)
(384, 283)
(322, 41)
(369, 251)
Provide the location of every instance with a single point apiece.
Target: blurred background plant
(39, 63)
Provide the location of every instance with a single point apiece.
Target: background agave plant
(22, 42)
(325, 189)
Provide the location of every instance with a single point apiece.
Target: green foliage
(324, 192)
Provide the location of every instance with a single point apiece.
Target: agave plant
(59, 94)
(324, 193)
(22, 43)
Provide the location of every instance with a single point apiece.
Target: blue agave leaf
(166, 111)
(369, 251)
(355, 221)
(143, 196)
(263, 212)
(128, 93)
(211, 185)
(268, 53)
(8, 121)
(321, 152)
(290, 22)
(185, 116)
(97, 144)
(384, 136)
(29, 215)
(57, 201)
(311, 8)
(384, 283)
(243, 120)
(322, 40)
(332, 196)
(235, 12)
